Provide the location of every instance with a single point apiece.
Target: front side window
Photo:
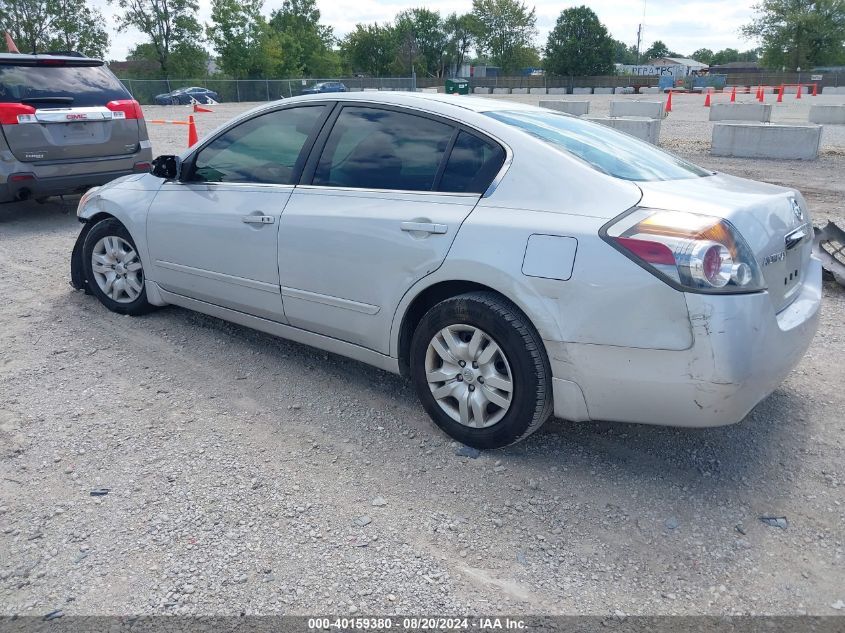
(614, 153)
(382, 149)
(264, 149)
(472, 165)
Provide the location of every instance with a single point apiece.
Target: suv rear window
(614, 153)
(87, 85)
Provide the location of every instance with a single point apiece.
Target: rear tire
(113, 268)
(480, 370)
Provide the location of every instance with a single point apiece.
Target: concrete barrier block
(370, 89)
(830, 114)
(578, 108)
(537, 91)
(650, 90)
(642, 127)
(791, 90)
(833, 90)
(760, 112)
(626, 90)
(602, 91)
(481, 90)
(766, 140)
(647, 109)
(433, 90)
(557, 91)
(582, 91)
(519, 91)
(501, 91)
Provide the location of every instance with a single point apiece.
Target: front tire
(480, 370)
(113, 268)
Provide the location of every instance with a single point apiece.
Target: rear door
(385, 198)
(54, 110)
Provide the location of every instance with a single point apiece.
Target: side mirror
(166, 167)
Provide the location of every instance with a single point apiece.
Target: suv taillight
(10, 113)
(131, 109)
(691, 252)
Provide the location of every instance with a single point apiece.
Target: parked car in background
(325, 86)
(185, 96)
(67, 124)
(512, 261)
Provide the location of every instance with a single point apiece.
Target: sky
(684, 26)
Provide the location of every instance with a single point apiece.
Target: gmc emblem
(76, 117)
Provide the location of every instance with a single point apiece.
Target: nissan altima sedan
(513, 262)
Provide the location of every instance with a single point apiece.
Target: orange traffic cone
(669, 102)
(199, 108)
(733, 94)
(815, 90)
(798, 93)
(192, 132)
(780, 94)
(707, 99)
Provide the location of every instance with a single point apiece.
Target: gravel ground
(250, 474)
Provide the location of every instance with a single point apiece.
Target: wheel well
(421, 304)
(102, 215)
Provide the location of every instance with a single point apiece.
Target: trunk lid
(55, 109)
(773, 220)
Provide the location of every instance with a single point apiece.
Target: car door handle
(424, 227)
(258, 219)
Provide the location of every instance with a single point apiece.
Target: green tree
(299, 21)
(724, 56)
(624, 54)
(506, 32)
(703, 55)
(799, 33)
(171, 27)
(370, 49)
(188, 61)
(238, 33)
(579, 45)
(422, 42)
(67, 25)
(657, 50)
(460, 33)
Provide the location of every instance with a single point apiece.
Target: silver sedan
(513, 262)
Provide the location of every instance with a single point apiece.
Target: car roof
(442, 102)
(73, 60)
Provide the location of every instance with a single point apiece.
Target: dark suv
(67, 124)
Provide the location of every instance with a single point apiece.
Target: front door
(213, 236)
(374, 219)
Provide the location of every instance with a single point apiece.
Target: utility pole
(639, 41)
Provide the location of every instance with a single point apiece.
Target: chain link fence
(145, 91)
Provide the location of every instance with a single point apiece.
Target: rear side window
(370, 148)
(472, 165)
(85, 86)
(264, 149)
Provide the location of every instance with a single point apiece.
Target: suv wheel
(113, 268)
(480, 370)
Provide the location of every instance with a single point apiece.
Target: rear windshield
(616, 154)
(86, 85)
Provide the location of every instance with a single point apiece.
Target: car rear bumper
(741, 353)
(53, 185)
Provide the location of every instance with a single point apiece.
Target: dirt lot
(250, 474)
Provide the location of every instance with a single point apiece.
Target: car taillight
(14, 113)
(130, 108)
(691, 252)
